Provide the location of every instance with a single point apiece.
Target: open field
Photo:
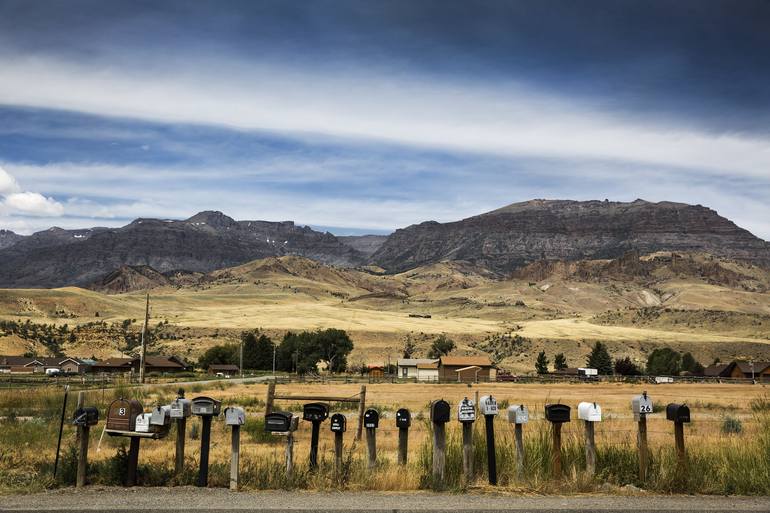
(725, 463)
(556, 312)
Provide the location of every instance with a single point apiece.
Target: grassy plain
(720, 462)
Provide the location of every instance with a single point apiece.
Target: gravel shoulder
(194, 499)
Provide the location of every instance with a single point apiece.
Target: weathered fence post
(180, 410)
(518, 415)
(371, 423)
(488, 405)
(641, 406)
(403, 422)
(556, 414)
(289, 453)
(590, 413)
(466, 414)
(361, 410)
(439, 416)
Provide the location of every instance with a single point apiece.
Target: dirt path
(193, 499)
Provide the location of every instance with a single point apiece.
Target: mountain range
(500, 241)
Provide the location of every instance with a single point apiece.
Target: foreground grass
(718, 463)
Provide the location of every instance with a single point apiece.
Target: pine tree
(541, 364)
(600, 359)
(560, 362)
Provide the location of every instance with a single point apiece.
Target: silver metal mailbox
(590, 412)
(466, 410)
(518, 414)
(641, 405)
(234, 416)
(181, 408)
(143, 422)
(488, 405)
(161, 416)
(206, 406)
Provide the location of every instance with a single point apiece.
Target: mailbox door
(439, 412)
(371, 419)
(122, 413)
(466, 411)
(557, 412)
(278, 422)
(403, 418)
(339, 423)
(315, 412)
(488, 405)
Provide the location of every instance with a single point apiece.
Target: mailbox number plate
(122, 412)
(645, 408)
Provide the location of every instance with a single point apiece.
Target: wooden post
(270, 398)
(133, 461)
(289, 453)
(338, 452)
(314, 435)
(681, 455)
(235, 461)
(203, 473)
(439, 453)
(361, 410)
(556, 450)
(590, 444)
(181, 428)
(468, 451)
(83, 435)
(489, 421)
(644, 454)
(403, 445)
(371, 446)
(519, 436)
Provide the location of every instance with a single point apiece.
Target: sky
(362, 117)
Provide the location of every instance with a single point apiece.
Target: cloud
(16, 202)
(505, 119)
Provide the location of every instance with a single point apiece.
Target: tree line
(297, 352)
(660, 362)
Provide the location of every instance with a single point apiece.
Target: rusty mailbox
(122, 413)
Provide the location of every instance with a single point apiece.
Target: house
(39, 365)
(161, 364)
(466, 369)
(224, 368)
(408, 367)
(739, 369)
(427, 371)
(375, 371)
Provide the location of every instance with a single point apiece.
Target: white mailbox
(590, 412)
(161, 416)
(641, 405)
(518, 414)
(143, 423)
(488, 405)
(235, 416)
(181, 409)
(466, 410)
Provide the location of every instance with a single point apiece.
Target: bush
(732, 426)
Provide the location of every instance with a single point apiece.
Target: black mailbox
(439, 411)
(557, 412)
(371, 419)
(88, 416)
(339, 423)
(678, 412)
(278, 422)
(403, 419)
(315, 412)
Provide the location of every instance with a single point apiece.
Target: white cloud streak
(17, 202)
(499, 119)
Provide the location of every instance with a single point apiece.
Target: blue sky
(365, 116)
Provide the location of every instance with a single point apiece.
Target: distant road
(220, 500)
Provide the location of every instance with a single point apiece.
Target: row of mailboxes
(128, 415)
(88, 416)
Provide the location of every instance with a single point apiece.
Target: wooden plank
(133, 461)
(644, 452)
(403, 445)
(321, 398)
(270, 400)
(235, 460)
(289, 453)
(439, 454)
(556, 450)
(681, 455)
(519, 436)
(590, 448)
(181, 428)
(371, 447)
(338, 453)
(468, 451)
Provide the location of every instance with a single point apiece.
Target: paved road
(158, 500)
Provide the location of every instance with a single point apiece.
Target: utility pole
(143, 354)
(274, 349)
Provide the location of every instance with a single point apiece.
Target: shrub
(732, 426)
